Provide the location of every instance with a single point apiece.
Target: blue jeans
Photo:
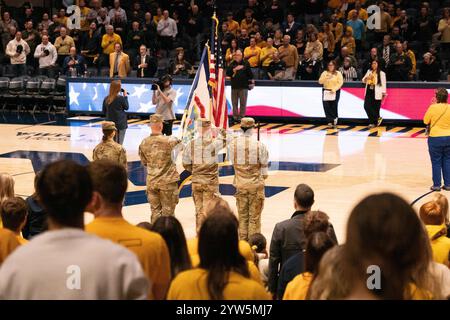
(439, 148)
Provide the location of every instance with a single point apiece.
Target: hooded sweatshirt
(440, 244)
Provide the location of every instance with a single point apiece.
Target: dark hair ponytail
(106, 134)
(218, 248)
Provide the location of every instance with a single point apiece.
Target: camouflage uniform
(162, 176)
(109, 149)
(250, 161)
(200, 158)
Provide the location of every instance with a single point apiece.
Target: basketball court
(342, 166)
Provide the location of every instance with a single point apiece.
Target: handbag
(329, 95)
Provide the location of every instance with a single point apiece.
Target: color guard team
(200, 157)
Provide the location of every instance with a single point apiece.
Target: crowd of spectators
(281, 40)
(303, 261)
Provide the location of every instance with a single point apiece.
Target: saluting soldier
(250, 161)
(108, 149)
(200, 158)
(156, 153)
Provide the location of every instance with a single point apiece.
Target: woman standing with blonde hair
(437, 118)
(6, 186)
(443, 203)
(114, 106)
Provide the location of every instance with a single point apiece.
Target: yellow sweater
(233, 26)
(192, 285)
(438, 120)
(331, 81)
(266, 55)
(253, 61)
(108, 42)
(150, 248)
(8, 243)
(63, 45)
(441, 245)
(298, 287)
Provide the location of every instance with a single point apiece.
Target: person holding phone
(114, 107)
(375, 81)
(332, 81)
(163, 97)
(437, 118)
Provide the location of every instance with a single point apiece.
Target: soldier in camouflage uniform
(162, 176)
(108, 149)
(200, 158)
(250, 161)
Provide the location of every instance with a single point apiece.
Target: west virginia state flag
(199, 100)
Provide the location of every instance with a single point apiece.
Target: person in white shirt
(117, 8)
(66, 262)
(47, 55)
(17, 49)
(167, 31)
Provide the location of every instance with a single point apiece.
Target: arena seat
(4, 84)
(31, 90)
(15, 89)
(45, 98)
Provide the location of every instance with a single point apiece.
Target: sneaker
(380, 120)
(371, 126)
(434, 188)
(446, 188)
(330, 125)
(335, 122)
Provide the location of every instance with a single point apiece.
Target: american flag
(217, 78)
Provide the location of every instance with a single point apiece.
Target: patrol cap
(156, 118)
(204, 123)
(247, 122)
(108, 125)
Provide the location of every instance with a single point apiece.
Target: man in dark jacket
(429, 69)
(290, 27)
(308, 68)
(90, 44)
(374, 57)
(288, 236)
(240, 74)
(145, 64)
(135, 38)
(399, 65)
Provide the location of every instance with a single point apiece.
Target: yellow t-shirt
(150, 248)
(441, 245)
(233, 26)
(249, 26)
(244, 249)
(62, 21)
(254, 60)
(363, 15)
(266, 55)
(438, 119)
(8, 243)
(192, 285)
(108, 42)
(298, 287)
